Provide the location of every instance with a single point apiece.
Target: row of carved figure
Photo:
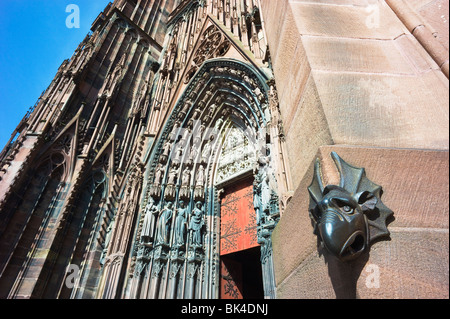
(172, 228)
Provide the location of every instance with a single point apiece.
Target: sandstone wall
(435, 14)
(352, 74)
(413, 263)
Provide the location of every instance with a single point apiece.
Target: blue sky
(34, 41)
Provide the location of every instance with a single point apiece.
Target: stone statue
(148, 227)
(212, 108)
(265, 191)
(200, 182)
(159, 174)
(174, 134)
(171, 182)
(163, 225)
(264, 179)
(180, 225)
(257, 199)
(185, 181)
(196, 225)
(207, 148)
(178, 153)
(166, 152)
(193, 154)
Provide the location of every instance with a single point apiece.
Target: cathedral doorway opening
(240, 261)
(241, 275)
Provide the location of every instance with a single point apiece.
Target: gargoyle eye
(347, 209)
(344, 206)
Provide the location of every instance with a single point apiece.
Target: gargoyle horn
(316, 188)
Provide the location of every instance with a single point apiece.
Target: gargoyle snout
(345, 239)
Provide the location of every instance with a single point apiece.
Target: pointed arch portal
(215, 148)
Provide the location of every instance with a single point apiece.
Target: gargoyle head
(349, 217)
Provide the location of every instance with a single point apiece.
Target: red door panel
(238, 219)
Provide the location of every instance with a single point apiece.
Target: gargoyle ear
(367, 200)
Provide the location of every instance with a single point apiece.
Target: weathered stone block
(345, 21)
(385, 110)
(355, 55)
(306, 129)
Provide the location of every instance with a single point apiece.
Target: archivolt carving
(216, 131)
(238, 155)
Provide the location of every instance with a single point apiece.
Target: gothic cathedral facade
(163, 110)
(170, 157)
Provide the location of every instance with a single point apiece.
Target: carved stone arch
(64, 145)
(82, 239)
(132, 33)
(58, 151)
(224, 94)
(57, 157)
(219, 78)
(223, 82)
(41, 205)
(120, 23)
(144, 43)
(61, 155)
(183, 10)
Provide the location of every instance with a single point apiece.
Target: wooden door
(238, 219)
(238, 233)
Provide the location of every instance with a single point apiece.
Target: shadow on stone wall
(344, 275)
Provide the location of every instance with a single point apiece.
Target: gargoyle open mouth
(354, 246)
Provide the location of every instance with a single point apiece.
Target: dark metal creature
(349, 217)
